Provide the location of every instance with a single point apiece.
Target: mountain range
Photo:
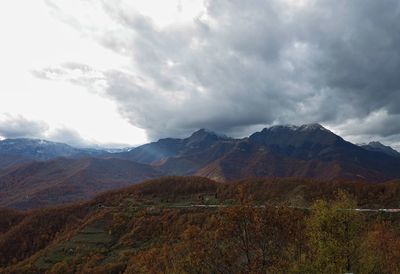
(309, 151)
(34, 175)
(23, 150)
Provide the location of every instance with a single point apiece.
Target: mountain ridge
(307, 151)
(279, 151)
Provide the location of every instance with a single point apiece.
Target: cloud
(376, 123)
(20, 127)
(73, 72)
(241, 65)
(68, 136)
(17, 126)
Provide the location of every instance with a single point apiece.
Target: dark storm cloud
(20, 127)
(244, 64)
(208, 76)
(358, 57)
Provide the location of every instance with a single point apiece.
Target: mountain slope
(65, 180)
(156, 152)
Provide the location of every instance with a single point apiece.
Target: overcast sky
(107, 72)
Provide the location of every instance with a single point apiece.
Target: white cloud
(33, 38)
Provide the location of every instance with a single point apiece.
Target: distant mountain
(156, 152)
(379, 147)
(310, 151)
(65, 180)
(22, 150)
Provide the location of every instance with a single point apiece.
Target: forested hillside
(196, 225)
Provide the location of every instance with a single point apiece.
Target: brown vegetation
(153, 228)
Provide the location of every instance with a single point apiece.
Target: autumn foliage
(194, 225)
